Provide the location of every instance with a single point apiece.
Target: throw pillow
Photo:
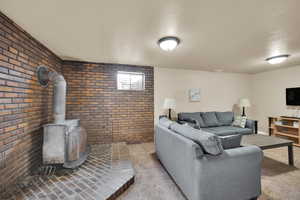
(193, 123)
(240, 121)
(231, 141)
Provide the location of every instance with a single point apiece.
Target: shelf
(286, 129)
(286, 126)
(288, 119)
(286, 134)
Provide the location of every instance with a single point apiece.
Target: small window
(131, 81)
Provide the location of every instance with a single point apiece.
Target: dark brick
(3, 70)
(109, 114)
(21, 118)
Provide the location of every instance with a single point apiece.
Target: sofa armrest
(252, 124)
(178, 155)
(237, 174)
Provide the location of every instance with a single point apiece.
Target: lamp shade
(244, 102)
(169, 103)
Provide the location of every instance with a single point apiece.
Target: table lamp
(244, 103)
(169, 104)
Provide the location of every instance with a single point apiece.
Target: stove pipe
(59, 98)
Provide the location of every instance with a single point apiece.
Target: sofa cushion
(221, 130)
(210, 143)
(165, 122)
(225, 118)
(231, 141)
(192, 116)
(242, 131)
(210, 119)
(228, 130)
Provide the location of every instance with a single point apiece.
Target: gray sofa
(231, 174)
(219, 123)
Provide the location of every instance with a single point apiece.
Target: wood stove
(64, 140)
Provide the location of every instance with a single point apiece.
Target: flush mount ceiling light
(168, 43)
(277, 59)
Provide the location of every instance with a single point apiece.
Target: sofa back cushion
(210, 143)
(225, 118)
(192, 116)
(210, 119)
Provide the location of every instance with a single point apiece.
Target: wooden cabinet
(286, 127)
(271, 125)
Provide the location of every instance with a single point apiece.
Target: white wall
(268, 94)
(219, 91)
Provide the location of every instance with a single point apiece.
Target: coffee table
(269, 142)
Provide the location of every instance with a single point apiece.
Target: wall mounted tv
(293, 96)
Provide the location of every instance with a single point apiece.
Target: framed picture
(194, 94)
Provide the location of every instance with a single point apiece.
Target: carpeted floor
(279, 180)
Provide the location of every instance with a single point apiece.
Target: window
(131, 81)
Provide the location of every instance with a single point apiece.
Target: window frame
(130, 85)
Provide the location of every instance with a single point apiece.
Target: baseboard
(262, 133)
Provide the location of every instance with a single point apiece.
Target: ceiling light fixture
(168, 43)
(277, 59)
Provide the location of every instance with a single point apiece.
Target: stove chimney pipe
(59, 90)
(59, 98)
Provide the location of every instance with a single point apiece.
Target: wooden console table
(285, 127)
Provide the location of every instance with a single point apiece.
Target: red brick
(10, 106)
(6, 64)
(13, 50)
(11, 128)
(11, 95)
(3, 57)
(22, 60)
(14, 62)
(9, 54)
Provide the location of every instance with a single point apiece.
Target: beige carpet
(279, 180)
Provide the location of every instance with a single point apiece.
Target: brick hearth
(107, 172)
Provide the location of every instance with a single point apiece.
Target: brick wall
(24, 105)
(109, 114)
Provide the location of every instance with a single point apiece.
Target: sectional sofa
(202, 168)
(219, 123)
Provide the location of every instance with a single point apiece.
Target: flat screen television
(293, 96)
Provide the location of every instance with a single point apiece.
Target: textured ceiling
(232, 35)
